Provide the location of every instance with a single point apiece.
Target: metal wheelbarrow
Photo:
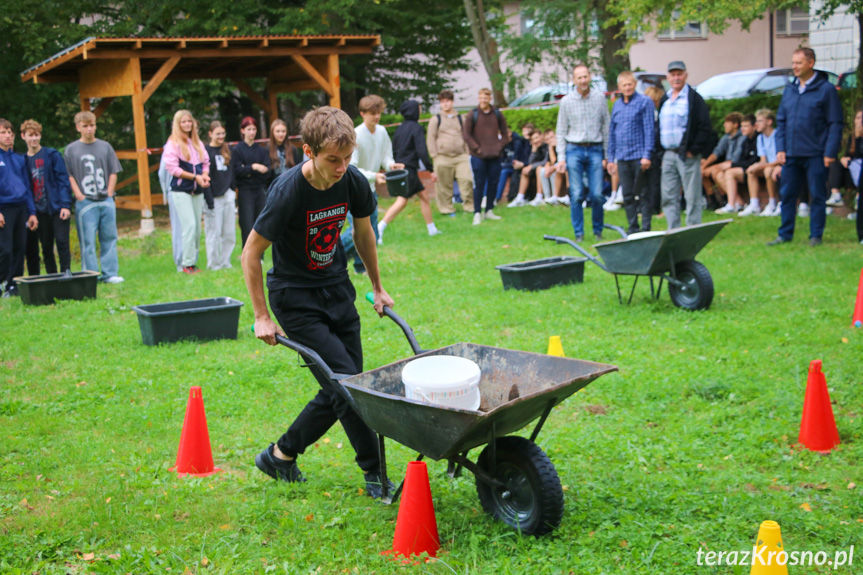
(668, 255)
(515, 480)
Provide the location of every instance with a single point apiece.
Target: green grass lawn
(690, 446)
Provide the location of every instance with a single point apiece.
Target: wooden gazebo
(107, 68)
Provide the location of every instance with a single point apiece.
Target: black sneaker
(814, 242)
(579, 239)
(779, 240)
(278, 468)
(374, 487)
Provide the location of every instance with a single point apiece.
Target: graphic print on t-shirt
(37, 179)
(322, 234)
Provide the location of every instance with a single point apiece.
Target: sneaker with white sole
(725, 210)
(768, 211)
(477, 219)
(613, 206)
(835, 200)
(113, 280)
(803, 210)
(552, 201)
(435, 233)
(564, 200)
(490, 215)
(618, 197)
(537, 201)
(516, 203)
(749, 210)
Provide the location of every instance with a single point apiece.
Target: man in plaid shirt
(630, 143)
(582, 136)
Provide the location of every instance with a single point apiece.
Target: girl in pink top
(187, 162)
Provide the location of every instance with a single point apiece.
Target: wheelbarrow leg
(541, 422)
(617, 284)
(454, 467)
(632, 292)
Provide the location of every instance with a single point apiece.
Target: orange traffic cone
(555, 347)
(195, 456)
(416, 527)
(769, 557)
(857, 320)
(818, 428)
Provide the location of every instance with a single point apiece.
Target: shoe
(803, 210)
(835, 200)
(749, 210)
(552, 201)
(456, 200)
(374, 487)
(618, 197)
(579, 239)
(537, 201)
(770, 212)
(612, 207)
(725, 210)
(477, 219)
(381, 229)
(436, 233)
(490, 215)
(452, 215)
(186, 270)
(564, 200)
(814, 242)
(852, 216)
(278, 468)
(598, 237)
(777, 241)
(516, 203)
(119, 280)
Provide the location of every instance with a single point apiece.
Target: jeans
(348, 238)
(98, 218)
(251, 202)
(486, 175)
(796, 168)
(513, 176)
(51, 229)
(581, 160)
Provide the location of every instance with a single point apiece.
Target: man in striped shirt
(630, 143)
(582, 137)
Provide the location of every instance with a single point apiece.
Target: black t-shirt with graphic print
(304, 225)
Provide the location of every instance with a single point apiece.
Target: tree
(486, 46)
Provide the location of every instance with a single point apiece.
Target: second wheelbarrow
(667, 255)
(515, 480)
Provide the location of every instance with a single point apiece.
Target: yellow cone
(555, 347)
(769, 555)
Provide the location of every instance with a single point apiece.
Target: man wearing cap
(686, 135)
(582, 139)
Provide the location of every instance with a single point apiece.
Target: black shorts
(414, 186)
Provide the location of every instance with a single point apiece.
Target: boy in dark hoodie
(409, 147)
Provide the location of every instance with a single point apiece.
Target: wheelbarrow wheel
(697, 291)
(532, 501)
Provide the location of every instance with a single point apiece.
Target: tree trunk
(859, 65)
(613, 50)
(487, 48)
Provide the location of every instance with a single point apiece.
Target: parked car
(847, 79)
(551, 94)
(749, 82)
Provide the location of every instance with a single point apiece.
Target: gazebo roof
(205, 57)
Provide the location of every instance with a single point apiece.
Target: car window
(849, 80)
(728, 85)
(771, 84)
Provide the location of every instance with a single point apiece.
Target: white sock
(431, 228)
(382, 225)
(519, 198)
(754, 203)
(771, 204)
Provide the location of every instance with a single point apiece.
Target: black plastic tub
(542, 274)
(43, 290)
(203, 319)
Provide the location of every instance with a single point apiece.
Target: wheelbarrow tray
(516, 388)
(655, 255)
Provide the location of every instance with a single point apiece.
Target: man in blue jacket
(17, 211)
(808, 133)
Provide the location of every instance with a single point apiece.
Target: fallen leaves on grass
(806, 507)
(595, 409)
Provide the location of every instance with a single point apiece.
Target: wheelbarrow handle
(409, 333)
(584, 252)
(316, 360)
(618, 229)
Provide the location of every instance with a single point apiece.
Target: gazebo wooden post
(273, 100)
(140, 123)
(333, 79)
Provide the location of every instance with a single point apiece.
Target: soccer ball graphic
(325, 240)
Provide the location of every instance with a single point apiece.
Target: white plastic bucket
(444, 380)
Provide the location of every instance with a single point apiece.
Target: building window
(689, 31)
(792, 21)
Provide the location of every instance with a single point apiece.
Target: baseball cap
(677, 65)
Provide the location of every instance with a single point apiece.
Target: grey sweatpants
(220, 230)
(680, 171)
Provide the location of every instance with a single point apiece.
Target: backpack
(475, 115)
(460, 125)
